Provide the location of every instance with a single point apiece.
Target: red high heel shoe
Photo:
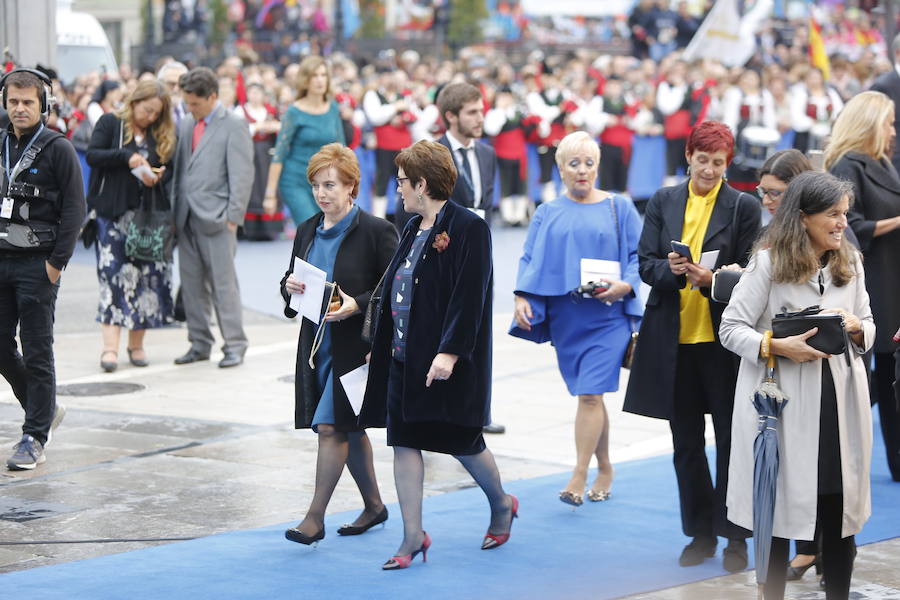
(402, 562)
(492, 541)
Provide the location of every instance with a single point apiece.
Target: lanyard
(12, 173)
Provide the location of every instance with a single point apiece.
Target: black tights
(837, 553)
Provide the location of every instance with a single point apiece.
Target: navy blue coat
(450, 311)
(733, 228)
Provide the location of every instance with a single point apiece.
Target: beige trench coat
(755, 300)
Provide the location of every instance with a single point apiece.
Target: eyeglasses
(773, 194)
(400, 180)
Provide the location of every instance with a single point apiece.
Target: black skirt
(830, 480)
(435, 436)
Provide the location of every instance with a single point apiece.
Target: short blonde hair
(860, 128)
(577, 140)
(342, 159)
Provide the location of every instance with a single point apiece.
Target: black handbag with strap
(831, 338)
(369, 317)
(628, 357)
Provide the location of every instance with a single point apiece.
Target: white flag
(726, 36)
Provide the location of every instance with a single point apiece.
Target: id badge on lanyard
(12, 173)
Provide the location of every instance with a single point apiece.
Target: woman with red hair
(680, 369)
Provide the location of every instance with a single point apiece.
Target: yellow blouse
(696, 320)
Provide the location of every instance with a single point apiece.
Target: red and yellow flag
(817, 54)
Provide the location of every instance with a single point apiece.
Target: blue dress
(589, 336)
(302, 135)
(322, 254)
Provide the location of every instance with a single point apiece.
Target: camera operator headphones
(45, 97)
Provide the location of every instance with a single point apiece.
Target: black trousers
(613, 169)
(547, 162)
(675, 156)
(385, 169)
(705, 376)
(837, 553)
(28, 301)
(883, 378)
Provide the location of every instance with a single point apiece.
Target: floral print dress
(134, 294)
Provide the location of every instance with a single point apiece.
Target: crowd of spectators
(653, 94)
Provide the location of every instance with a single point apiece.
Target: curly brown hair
(429, 162)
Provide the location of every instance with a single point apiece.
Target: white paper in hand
(354, 384)
(309, 303)
(141, 171)
(708, 259)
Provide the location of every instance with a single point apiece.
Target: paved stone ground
(200, 450)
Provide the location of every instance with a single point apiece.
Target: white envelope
(354, 384)
(309, 303)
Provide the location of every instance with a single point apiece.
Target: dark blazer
(876, 188)
(652, 381)
(113, 189)
(450, 312)
(363, 256)
(889, 84)
(487, 165)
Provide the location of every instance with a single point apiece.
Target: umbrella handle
(770, 368)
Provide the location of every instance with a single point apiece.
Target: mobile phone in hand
(682, 249)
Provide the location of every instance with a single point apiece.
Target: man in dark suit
(462, 108)
(889, 84)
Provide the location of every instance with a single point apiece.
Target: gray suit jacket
(213, 181)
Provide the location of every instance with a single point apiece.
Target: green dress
(302, 135)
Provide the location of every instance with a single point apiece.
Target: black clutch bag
(723, 283)
(831, 337)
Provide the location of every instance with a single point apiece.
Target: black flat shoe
(349, 529)
(137, 362)
(295, 535)
(231, 359)
(734, 557)
(109, 365)
(697, 551)
(191, 356)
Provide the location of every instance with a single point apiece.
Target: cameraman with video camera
(41, 211)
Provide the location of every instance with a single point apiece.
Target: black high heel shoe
(795, 573)
(348, 529)
(295, 535)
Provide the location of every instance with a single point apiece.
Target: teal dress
(302, 135)
(322, 254)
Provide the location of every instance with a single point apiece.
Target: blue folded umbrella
(769, 402)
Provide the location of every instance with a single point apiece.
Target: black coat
(889, 84)
(450, 312)
(362, 257)
(876, 188)
(652, 381)
(487, 166)
(113, 189)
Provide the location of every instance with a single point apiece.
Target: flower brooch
(441, 241)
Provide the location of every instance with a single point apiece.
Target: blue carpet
(627, 545)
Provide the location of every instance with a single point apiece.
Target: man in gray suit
(213, 175)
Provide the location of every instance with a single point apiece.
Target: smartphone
(682, 249)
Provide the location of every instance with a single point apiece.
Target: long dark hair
(793, 257)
